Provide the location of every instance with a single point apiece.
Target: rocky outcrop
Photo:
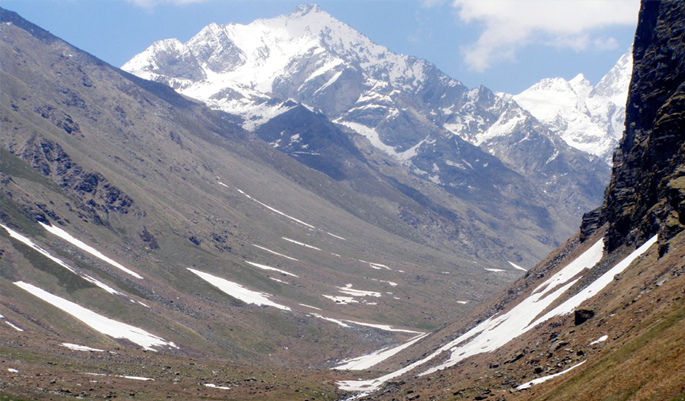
(647, 190)
(96, 193)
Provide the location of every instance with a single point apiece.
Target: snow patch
(336, 236)
(274, 252)
(77, 347)
(265, 267)
(341, 300)
(515, 266)
(301, 244)
(98, 322)
(384, 327)
(598, 285)
(238, 291)
(545, 378)
(495, 331)
(17, 328)
(329, 319)
(277, 211)
(309, 306)
(600, 340)
(211, 385)
(140, 378)
(376, 357)
(348, 290)
(87, 248)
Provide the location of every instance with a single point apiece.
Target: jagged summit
(586, 117)
(405, 107)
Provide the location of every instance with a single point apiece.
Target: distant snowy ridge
(270, 70)
(588, 118)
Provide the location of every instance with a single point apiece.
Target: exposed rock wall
(646, 194)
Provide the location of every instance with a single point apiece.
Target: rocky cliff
(646, 194)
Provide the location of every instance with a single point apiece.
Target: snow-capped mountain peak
(404, 106)
(581, 86)
(588, 118)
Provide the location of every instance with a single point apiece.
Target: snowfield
(87, 248)
(238, 291)
(496, 331)
(104, 325)
(374, 358)
(27, 241)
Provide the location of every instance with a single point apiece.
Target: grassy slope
(643, 359)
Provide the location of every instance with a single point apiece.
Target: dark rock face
(92, 188)
(581, 316)
(646, 195)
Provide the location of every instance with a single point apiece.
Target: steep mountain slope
(404, 106)
(601, 318)
(588, 118)
(135, 219)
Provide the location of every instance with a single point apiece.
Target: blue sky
(506, 45)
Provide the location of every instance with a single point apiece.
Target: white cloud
(511, 24)
(150, 4)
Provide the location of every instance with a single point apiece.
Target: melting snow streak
(98, 322)
(374, 358)
(273, 252)
(238, 291)
(77, 243)
(265, 267)
(28, 242)
(495, 331)
(545, 378)
(499, 330)
(278, 211)
(301, 244)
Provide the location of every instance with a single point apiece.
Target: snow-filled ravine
(98, 322)
(87, 248)
(498, 330)
(28, 242)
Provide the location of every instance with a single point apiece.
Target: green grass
(632, 367)
(66, 279)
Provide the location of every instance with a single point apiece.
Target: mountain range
(219, 234)
(470, 143)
